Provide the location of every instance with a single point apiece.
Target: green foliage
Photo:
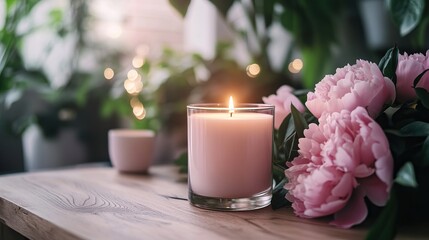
(279, 192)
(415, 129)
(422, 93)
(312, 23)
(10, 61)
(412, 18)
(314, 27)
(406, 14)
(406, 176)
(407, 128)
(389, 62)
(286, 140)
(17, 81)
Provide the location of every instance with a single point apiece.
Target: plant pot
(40, 152)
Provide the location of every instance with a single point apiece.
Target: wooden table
(100, 203)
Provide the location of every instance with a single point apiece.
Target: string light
(295, 66)
(138, 62)
(109, 73)
(129, 86)
(134, 102)
(138, 85)
(139, 110)
(253, 70)
(132, 74)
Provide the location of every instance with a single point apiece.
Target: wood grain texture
(100, 203)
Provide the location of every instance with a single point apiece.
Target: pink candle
(230, 154)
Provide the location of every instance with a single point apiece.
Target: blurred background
(70, 70)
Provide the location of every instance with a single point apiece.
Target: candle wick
(230, 114)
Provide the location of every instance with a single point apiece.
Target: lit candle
(230, 153)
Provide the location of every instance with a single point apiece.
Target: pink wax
(230, 157)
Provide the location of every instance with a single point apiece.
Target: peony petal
(384, 170)
(284, 90)
(325, 209)
(282, 102)
(344, 187)
(353, 213)
(344, 159)
(349, 88)
(363, 171)
(330, 177)
(375, 190)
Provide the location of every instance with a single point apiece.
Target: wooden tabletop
(100, 203)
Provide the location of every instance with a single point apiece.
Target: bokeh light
(138, 62)
(295, 66)
(253, 70)
(109, 73)
(132, 74)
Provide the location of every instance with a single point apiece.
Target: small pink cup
(131, 150)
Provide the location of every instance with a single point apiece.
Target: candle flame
(231, 106)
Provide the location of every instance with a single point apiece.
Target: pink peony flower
(343, 159)
(282, 102)
(361, 84)
(409, 67)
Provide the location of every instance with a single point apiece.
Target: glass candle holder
(229, 156)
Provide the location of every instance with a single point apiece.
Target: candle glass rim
(225, 107)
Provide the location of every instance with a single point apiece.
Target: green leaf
(423, 96)
(396, 142)
(384, 59)
(280, 185)
(389, 63)
(299, 121)
(384, 227)
(406, 14)
(294, 131)
(425, 153)
(415, 129)
(181, 6)
(278, 170)
(278, 200)
(281, 133)
(406, 176)
(291, 146)
(419, 77)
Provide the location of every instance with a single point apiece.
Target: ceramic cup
(131, 150)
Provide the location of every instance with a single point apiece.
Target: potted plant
(43, 88)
